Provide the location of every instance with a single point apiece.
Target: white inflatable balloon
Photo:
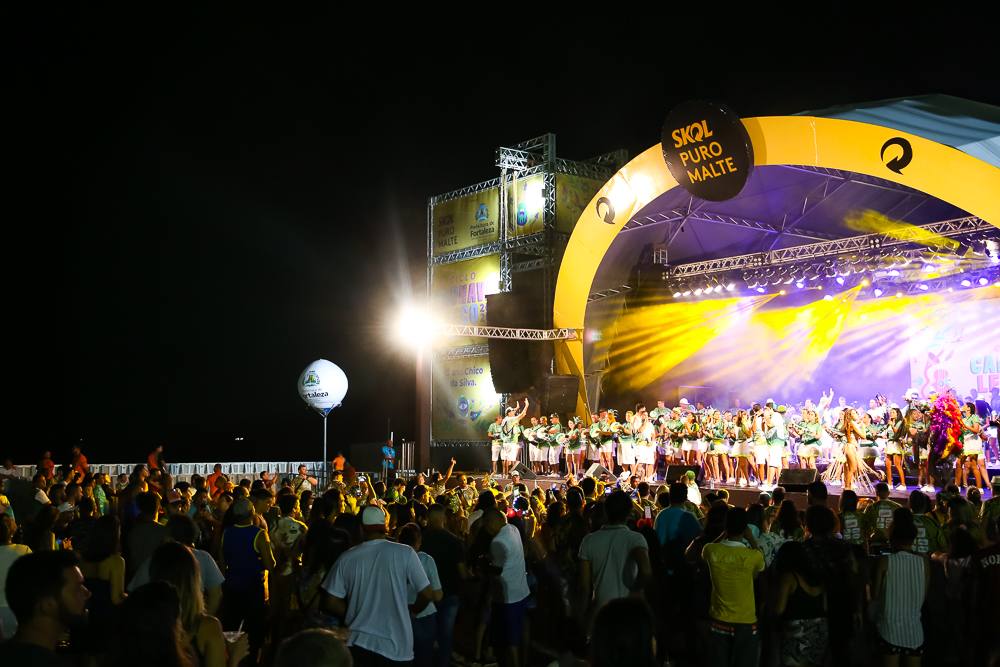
(322, 385)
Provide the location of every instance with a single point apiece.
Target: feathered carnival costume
(946, 425)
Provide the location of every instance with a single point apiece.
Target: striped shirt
(904, 595)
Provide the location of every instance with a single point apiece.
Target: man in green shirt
(991, 511)
(494, 435)
(509, 432)
(555, 449)
(930, 535)
(879, 515)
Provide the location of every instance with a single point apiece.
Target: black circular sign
(707, 150)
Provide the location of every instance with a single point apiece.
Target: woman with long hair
(895, 437)
(801, 607)
(103, 571)
(787, 524)
(690, 433)
(972, 457)
(962, 516)
(174, 564)
(740, 433)
(574, 447)
(917, 438)
(149, 629)
(759, 443)
(853, 430)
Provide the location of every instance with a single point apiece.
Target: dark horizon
(209, 204)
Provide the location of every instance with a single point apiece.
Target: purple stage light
(799, 285)
(840, 281)
(983, 281)
(761, 289)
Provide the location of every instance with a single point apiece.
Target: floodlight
(878, 292)
(983, 281)
(922, 286)
(828, 297)
(730, 287)
(799, 285)
(864, 283)
(686, 292)
(416, 327)
(899, 294)
(761, 290)
(718, 288)
(966, 283)
(782, 292)
(676, 294)
(697, 292)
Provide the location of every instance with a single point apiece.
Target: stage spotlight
(840, 280)
(899, 294)
(761, 290)
(828, 297)
(697, 292)
(686, 292)
(718, 288)
(799, 285)
(676, 294)
(730, 286)
(966, 283)
(878, 292)
(782, 292)
(983, 281)
(922, 286)
(950, 289)
(929, 268)
(894, 272)
(864, 283)
(415, 327)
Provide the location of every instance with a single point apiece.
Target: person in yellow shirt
(733, 566)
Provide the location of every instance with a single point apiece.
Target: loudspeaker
(674, 473)
(797, 479)
(597, 470)
(561, 392)
(523, 471)
(510, 360)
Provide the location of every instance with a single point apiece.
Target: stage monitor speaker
(674, 473)
(596, 470)
(561, 392)
(523, 471)
(797, 479)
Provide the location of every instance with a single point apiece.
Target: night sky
(202, 204)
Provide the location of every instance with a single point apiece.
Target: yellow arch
(938, 170)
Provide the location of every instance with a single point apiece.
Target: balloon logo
(323, 385)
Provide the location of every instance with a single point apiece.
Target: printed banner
(573, 193)
(527, 203)
(465, 403)
(466, 222)
(955, 345)
(459, 294)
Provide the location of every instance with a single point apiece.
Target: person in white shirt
(8, 554)
(509, 584)
(425, 624)
(614, 561)
(367, 588)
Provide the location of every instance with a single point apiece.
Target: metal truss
(504, 332)
(531, 265)
(531, 244)
(901, 235)
(855, 177)
(702, 216)
(462, 192)
(460, 443)
(461, 352)
(609, 292)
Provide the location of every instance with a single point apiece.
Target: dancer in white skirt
(593, 453)
(972, 451)
(895, 437)
(626, 444)
(555, 445)
(645, 452)
(531, 435)
(759, 444)
(740, 434)
(808, 431)
(690, 433)
(575, 444)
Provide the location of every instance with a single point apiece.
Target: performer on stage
(593, 453)
(608, 430)
(852, 429)
(690, 434)
(544, 444)
(895, 437)
(626, 444)
(776, 434)
(972, 458)
(741, 434)
(510, 429)
(575, 443)
(494, 435)
(808, 431)
(645, 453)
(534, 454)
(555, 446)
(918, 444)
(759, 444)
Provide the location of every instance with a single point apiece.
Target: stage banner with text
(573, 193)
(956, 345)
(527, 202)
(458, 292)
(466, 222)
(465, 403)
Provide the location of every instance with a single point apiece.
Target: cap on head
(690, 474)
(241, 507)
(780, 409)
(995, 482)
(515, 474)
(373, 519)
(173, 497)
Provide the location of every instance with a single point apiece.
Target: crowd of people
(434, 571)
(751, 447)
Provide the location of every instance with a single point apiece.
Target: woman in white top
(425, 624)
(901, 582)
(8, 554)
